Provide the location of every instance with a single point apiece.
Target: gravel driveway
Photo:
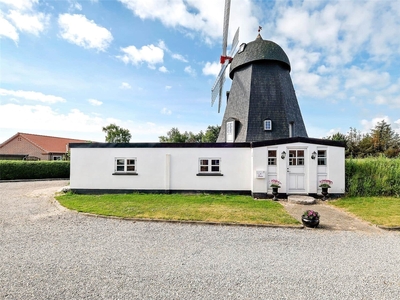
(51, 253)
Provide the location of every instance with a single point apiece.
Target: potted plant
(325, 184)
(310, 218)
(275, 184)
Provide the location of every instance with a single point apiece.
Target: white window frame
(296, 157)
(127, 167)
(267, 125)
(322, 160)
(210, 164)
(230, 131)
(272, 160)
(57, 157)
(242, 47)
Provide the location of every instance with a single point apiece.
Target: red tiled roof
(49, 144)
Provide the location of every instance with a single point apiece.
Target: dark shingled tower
(262, 103)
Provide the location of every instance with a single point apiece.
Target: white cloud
(168, 87)
(162, 45)
(342, 29)
(125, 86)
(20, 4)
(190, 71)
(8, 30)
(77, 29)
(150, 54)
(166, 111)
(195, 16)
(389, 99)
(179, 57)
(171, 13)
(396, 126)
(212, 69)
(31, 23)
(163, 69)
(307, 27)
(30, 95)
(358, 78)
(24, 18)
(74, 5)
(38, 117)
(95, 102)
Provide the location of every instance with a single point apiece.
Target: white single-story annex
(244, 168)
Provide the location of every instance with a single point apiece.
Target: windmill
(225, 60)
(262, 101)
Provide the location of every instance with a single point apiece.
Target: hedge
(364, 177)
(16, 169)
(373, 177)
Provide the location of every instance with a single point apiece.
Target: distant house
(35, 147)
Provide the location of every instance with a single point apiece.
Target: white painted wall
(177, 169)
(93, 168)
(334, 170)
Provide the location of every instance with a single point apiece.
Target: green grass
(383, 211)
(182, 207)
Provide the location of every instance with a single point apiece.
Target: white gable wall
(334, 170)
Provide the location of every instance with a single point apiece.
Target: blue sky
(68, 68)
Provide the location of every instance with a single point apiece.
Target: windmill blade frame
(227, 11)
(218, 85)
(235, 42)
(224, 60)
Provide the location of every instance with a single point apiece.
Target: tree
(211, 134)
(384, 138)
(175, 136)
(365, 146)
(381, 140)
(116, 134)
(354, 137)
(338, 137)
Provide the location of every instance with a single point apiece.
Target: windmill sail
(235, 42)
(218, 85)
(225, 60)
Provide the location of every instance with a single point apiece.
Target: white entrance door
(296, 171)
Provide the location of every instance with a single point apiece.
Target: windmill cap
(259, 50)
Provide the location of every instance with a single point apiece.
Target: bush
(373, 177)
(11, 170)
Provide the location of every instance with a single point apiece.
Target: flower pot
(324, 193)
(275, 193)
(310, 223)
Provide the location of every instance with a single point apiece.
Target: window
(296, 157)
(209, 165)
(272, 157)
(57, 157)
(125, 165)
(241, 48)
(321, 157)
(267, 125)
(230, 131)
